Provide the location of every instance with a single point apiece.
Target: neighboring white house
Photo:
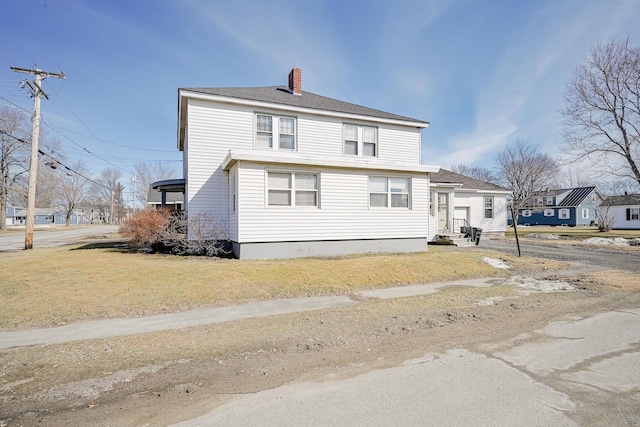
(458, 201)
(625, 211)
(291, 174)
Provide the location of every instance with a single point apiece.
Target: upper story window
(360, 141)
(488, 207)
(387, 192)
(275, 132)
(292, 189)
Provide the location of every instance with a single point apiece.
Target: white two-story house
(290, 173)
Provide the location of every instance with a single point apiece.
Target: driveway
(590, 256)
(46, 238)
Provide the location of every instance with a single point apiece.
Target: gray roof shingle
(282, 95)
(447, 177)
(625, 200)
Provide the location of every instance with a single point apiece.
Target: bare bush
(146, 228)
(604, 219)
(199, 234)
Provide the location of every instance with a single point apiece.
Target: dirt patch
(161, 378)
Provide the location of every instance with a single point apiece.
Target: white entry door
(443, 212)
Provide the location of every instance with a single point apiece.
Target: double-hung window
(361, 141)
(633, 214)
(564, 214)
(292, 189)
(549, 212)
(275, 132)
(387, 192)
(488, 207)
(585, 213)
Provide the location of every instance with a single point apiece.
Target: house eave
(184, 94)
(260, 156)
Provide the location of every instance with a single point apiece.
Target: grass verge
(572, 233)
(54, 286)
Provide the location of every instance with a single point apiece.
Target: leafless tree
(602, 109)
(107, 191)
(477, 172)
(148, 173)
(524, 170)
(15, 147)
(72, 190)
(604, 218)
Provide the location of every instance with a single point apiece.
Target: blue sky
(483, 73)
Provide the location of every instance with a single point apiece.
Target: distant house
(44, 216)
(566, 207)
(625, 211)
(458, 201)
(11, 215)
(92, 214)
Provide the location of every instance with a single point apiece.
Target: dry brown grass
(46, 287)
(572, 233)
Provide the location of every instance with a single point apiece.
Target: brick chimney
(295, 81)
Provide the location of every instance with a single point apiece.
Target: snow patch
(497, 263)
(528, 285)
(543, 236)
(616, 241)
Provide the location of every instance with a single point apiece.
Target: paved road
(573, 372)
(45, 238)
(590, 256)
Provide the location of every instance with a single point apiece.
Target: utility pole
(36, 93)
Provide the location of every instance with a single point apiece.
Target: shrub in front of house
(146, 229)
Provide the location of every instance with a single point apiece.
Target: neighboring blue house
(11, 215)
(43, 216)
(566, 207)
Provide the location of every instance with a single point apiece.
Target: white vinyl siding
(343, 214)
(473, 204)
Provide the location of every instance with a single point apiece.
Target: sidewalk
(160, 322)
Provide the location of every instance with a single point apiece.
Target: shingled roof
(447, 177)
(283, 96)
(625, 200)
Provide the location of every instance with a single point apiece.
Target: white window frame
(361, 140)
(549, 212)
(276, 132)
(585, 213)
(634, 214)
(564, 214)
(293, 190)
(389, 192)
(488, 209)
(526, 213)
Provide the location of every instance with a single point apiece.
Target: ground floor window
(563, 214)
(488, 207)
(526, 213)
(292, 189)
(585, 213)
(548, 212)
(633, 214)
(387, 192)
